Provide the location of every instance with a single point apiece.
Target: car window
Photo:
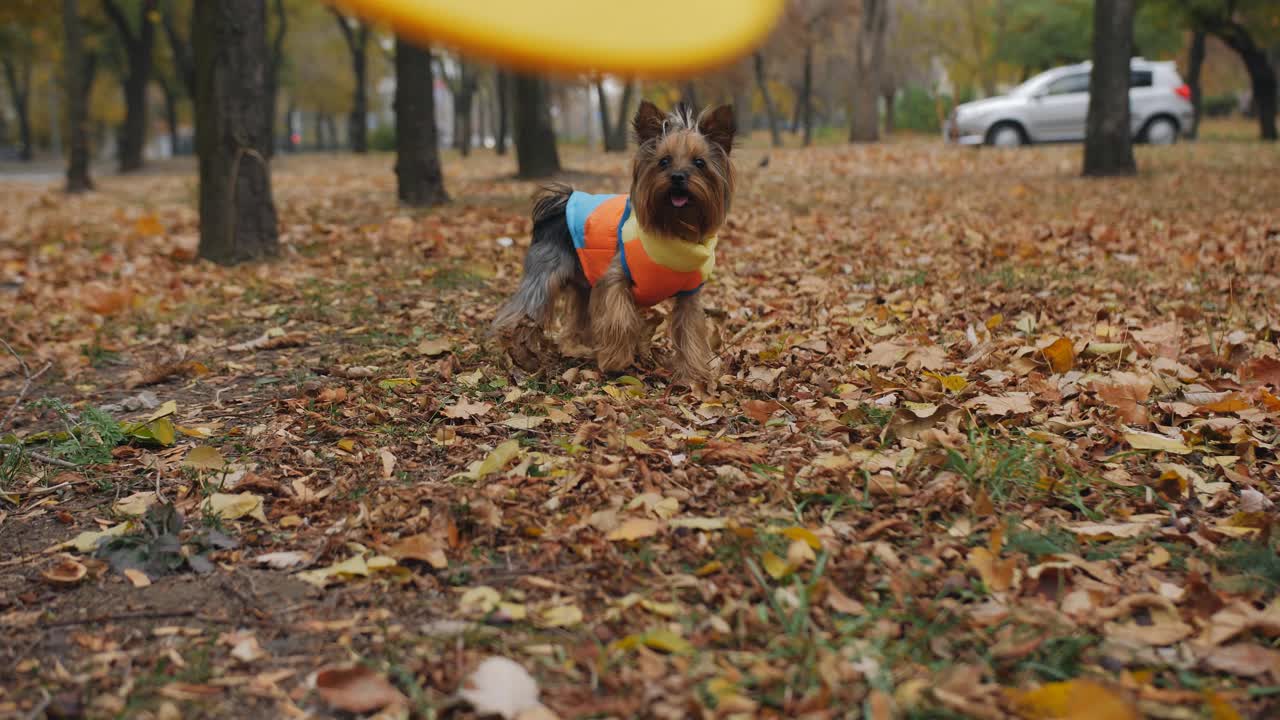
(1070, 84)
(1140, 78)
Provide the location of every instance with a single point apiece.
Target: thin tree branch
(120, 21)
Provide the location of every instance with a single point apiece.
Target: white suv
(1051, 107)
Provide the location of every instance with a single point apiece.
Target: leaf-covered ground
(989, 440)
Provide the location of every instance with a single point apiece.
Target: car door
(1143, 98)
(1059, 112)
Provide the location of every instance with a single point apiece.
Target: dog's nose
(679, 178)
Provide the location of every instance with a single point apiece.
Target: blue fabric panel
(581, 205)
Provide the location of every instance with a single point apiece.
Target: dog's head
(682, 178)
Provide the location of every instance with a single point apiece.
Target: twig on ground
(97, 619)
(38, 710)
(34, 455)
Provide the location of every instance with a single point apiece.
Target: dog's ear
(719, 126)
(648, 122)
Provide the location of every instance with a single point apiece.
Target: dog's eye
(665, 162)
(699, 163)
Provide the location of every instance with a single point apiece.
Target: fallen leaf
(229, 506)
(1061, 355)
(356, 689)
(65, 570)
(137, 578)
(634, 529)
(1140, 440)
(500, 687)
(1080, 699)
(464, 409)
(203, 457)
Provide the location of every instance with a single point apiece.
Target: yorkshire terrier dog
(610, 255)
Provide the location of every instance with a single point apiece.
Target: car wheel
(1005, 135)
(1161, 131)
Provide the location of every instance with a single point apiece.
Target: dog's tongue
(679, 200)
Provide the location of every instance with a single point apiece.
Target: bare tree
(771, 111)
(502, 90)
(420, 181)
(78, 78)
(237, 214)
(1195, 65)
(17, 73)
(615, 132)
(462, 83)
(868, 63)
(356, 35)
(536, 155)
(139, 48)
(1108, 147)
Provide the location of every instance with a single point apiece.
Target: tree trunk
(273, 75)
(742, 110)
(419, 179)
(890, 121)
(504, 110)
(689, 95)
(463, 105)
(1194, 66)
(356, 35)
(769, 109)
(1108, 146)
(20, 93)
(1262, 77)
(78, 80)
(139, 48)
(237, 215)
(615, 133)
(536, 155)
(170, 111)
(868, 62)
(806, 95)
(181, 50)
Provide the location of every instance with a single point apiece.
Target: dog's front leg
(615, 322)
(690, 336)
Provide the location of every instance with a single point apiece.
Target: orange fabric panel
(600, 232)
(654, 283)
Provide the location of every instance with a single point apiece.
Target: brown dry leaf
(634, 529)
(760, 410)
(720, 451)
(465, 409)
(999, 406)
(66, 570)
(422, 548)
(1246, 659)
(1261, 371)
(356, 689)
(1127, 393)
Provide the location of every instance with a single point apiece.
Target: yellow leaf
(349, 568)
(997, 574)
(138, 578)
(995, 321)
(951, 383)
(492, 463)
(666, 641)
(560, 616)
(634, 529)
(1222, 710)
(775, 566)
(203, 457)
(637, 444)
(708, 569)
(1061, 355)
(479, 600)
(431, 348)
(347, 445)
(1079, 699)
(88, 541)
(135, 505)
(230, 506)
(804, 535)
(1139, 440)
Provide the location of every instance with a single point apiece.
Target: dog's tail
(550, 264)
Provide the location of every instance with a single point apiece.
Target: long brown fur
(677, 153)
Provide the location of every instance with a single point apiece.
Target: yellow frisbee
(650, 38)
